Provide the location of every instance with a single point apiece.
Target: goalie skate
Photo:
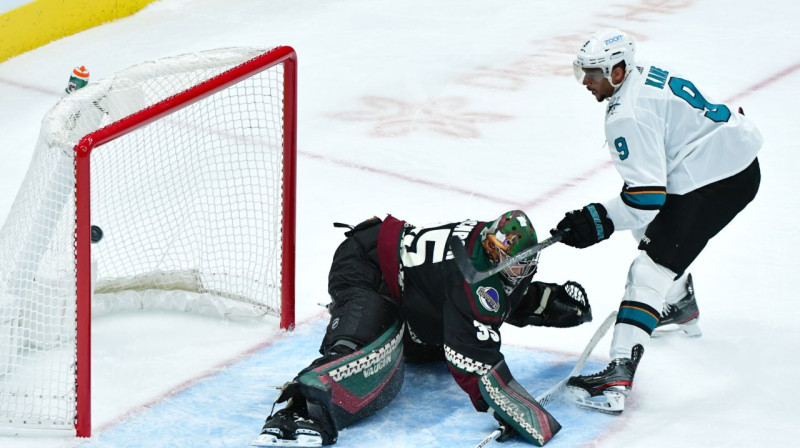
(301, 439)
(681, 316)
(289, 427)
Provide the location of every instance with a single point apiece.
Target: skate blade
(611, 402)
(302, 440)
(690, 329)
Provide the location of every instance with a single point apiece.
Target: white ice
(439, 111)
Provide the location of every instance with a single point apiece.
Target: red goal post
(188, 165)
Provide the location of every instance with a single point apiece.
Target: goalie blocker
(514, 407)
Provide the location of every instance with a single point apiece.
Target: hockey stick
(495, 434)
(472, 275)
(550, 394)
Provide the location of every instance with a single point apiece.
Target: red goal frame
(280, 55)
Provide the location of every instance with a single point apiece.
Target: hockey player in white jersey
(689, 166)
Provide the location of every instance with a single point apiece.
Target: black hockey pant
(362, 308)
(686, 223)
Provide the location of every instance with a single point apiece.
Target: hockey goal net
(187, 165)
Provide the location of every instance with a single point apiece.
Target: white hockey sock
(648, 284)
(678, 289)
(625, 337)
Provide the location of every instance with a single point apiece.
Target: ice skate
(291, 427)
(684, 314)
(605, 391)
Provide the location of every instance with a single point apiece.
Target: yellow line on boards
(42, 21)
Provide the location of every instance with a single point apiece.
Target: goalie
(398, 296)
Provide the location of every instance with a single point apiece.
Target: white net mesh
(189, 202)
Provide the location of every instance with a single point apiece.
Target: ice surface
(439, 111)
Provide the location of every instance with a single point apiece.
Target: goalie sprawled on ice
(398, 297)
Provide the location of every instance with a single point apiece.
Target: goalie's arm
(552, 305)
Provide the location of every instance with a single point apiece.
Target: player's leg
(672, 241)
(648, 283)
(680, 306)
(713, 207)
(360, 369)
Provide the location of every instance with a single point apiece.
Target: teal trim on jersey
(644, 199)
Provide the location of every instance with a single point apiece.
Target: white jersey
(664, 136)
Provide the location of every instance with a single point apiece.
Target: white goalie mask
(605, 49)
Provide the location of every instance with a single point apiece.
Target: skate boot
(292, 427)
(605, 391)
(684, 314)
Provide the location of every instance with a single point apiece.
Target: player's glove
(552, 305)
(585, 227)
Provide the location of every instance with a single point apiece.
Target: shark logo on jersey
(612, 106)
(489, 298)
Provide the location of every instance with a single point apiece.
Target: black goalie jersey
(439, 306)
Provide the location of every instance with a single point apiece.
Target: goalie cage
(192, 162)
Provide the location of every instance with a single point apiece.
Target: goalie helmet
(507, 236)
(605, 49)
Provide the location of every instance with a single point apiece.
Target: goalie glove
(552, 305)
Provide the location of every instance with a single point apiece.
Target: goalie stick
(472, 275)
(549, 395)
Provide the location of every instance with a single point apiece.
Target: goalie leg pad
(516, 407)
(354, 386)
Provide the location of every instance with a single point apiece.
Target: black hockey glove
(585, 227)
(552, 305)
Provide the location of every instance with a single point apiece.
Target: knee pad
(358, 317)
(648, 284)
